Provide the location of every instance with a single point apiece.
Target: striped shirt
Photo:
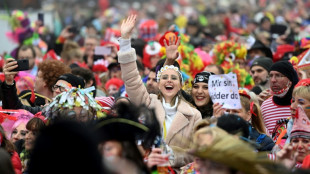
(272, 112)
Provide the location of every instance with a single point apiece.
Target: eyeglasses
(61, 88)
(276, 76)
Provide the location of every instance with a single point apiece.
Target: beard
(151, 90)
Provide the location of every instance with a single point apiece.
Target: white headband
(166, 67)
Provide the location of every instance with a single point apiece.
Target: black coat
(10, 99)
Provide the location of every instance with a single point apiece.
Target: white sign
(102, 50)
(223, 89)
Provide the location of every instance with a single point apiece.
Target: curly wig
(51, 70)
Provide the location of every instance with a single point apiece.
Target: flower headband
(166, 67)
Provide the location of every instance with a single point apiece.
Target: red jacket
(17, 165)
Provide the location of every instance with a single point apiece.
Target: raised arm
(172, 52)
(127, 58)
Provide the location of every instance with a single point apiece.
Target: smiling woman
(200, 94)
(176, 117)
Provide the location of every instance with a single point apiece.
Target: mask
(283, 91)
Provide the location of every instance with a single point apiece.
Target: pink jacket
(179, 136)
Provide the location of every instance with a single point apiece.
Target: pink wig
(22, 116)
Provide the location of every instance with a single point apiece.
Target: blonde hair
(302, 91)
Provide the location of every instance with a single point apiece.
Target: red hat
(281, 50)
(151, 49)
(100, 66)
(114, 81)
(303, 82)
(301, 124)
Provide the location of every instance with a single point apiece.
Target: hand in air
(128, 26)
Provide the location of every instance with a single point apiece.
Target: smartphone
(23, 65)
(103, 50)
(41, 18)
(73, 30)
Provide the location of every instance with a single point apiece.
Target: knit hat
(75, 81)
(203, 77)
(301, 124)
(287, 69)
(264, 62)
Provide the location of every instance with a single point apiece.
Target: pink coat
(179, 136)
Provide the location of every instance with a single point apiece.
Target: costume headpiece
(75, 97)
(166, 67)
(301, 124)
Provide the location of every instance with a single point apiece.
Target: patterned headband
(166, 67)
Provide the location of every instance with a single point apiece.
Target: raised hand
(171, 50)
(127, 26)
(9, 65)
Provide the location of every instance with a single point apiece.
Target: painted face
(246, 115)
(112, 90)
(39, 84)
(61, 86)
(259, 74)
(277, 81)
(151, 84)
(29, 139)
(169, 84)
(304, 103)
(302, 147)
(19, 133)
(200, 94)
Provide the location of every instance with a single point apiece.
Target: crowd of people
(128, 91)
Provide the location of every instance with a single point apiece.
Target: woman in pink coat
(177, 117)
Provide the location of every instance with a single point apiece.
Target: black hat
(130, 123)
(260, 46)
(264, 62)
(287, 69)
(75, 81)
(202, 77)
